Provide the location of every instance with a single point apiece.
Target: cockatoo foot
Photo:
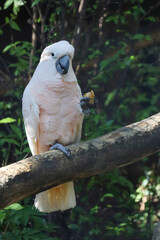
(85, 105)
(63, 149)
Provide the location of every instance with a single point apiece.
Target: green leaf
(7, 20)
(128, 12)
(8, 140)
(35, 2)
(1, 32)
(73, 226)
(138, 197)
(2, 216)
(17, 151)
(26, 150)
(138, 36)
(8, 3)
(106, 195)
(7, 120)
(110, 97)
(148, 37)
(14, 25)
(18, 3)
(115, 19)
(94, 209)
(17, 131)
(145, 182)
(151, 19)
(141, 10)
(8, 47)
(14, 206)
(104, 63)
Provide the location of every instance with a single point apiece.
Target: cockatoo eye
(53, 54)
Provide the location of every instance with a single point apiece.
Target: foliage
(19, 223)
(20, 50)
(118, 60)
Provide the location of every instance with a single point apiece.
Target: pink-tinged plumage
(52, 113)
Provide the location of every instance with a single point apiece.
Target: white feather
(30, 112)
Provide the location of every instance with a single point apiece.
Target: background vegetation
(117, 46)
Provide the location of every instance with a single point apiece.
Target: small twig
(34, 42)
(6, 227)
(80, 15)
(32, 21)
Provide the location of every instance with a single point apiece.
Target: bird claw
(63, 149)
(85, 105)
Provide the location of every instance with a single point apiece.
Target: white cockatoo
(53, 111)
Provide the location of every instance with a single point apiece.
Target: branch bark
(113, 150)
(156, 232)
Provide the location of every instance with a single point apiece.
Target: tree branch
(113, 150)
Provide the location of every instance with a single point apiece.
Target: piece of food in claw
(90, 95)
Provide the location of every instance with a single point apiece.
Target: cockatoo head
(58, 56)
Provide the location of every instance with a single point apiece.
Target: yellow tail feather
(58, 198)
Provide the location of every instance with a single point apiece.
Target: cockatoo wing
(30, 110)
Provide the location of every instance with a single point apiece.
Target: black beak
(62, 64)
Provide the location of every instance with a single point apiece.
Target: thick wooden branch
(114, 150)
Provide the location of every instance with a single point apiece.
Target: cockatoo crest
(57, 50)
